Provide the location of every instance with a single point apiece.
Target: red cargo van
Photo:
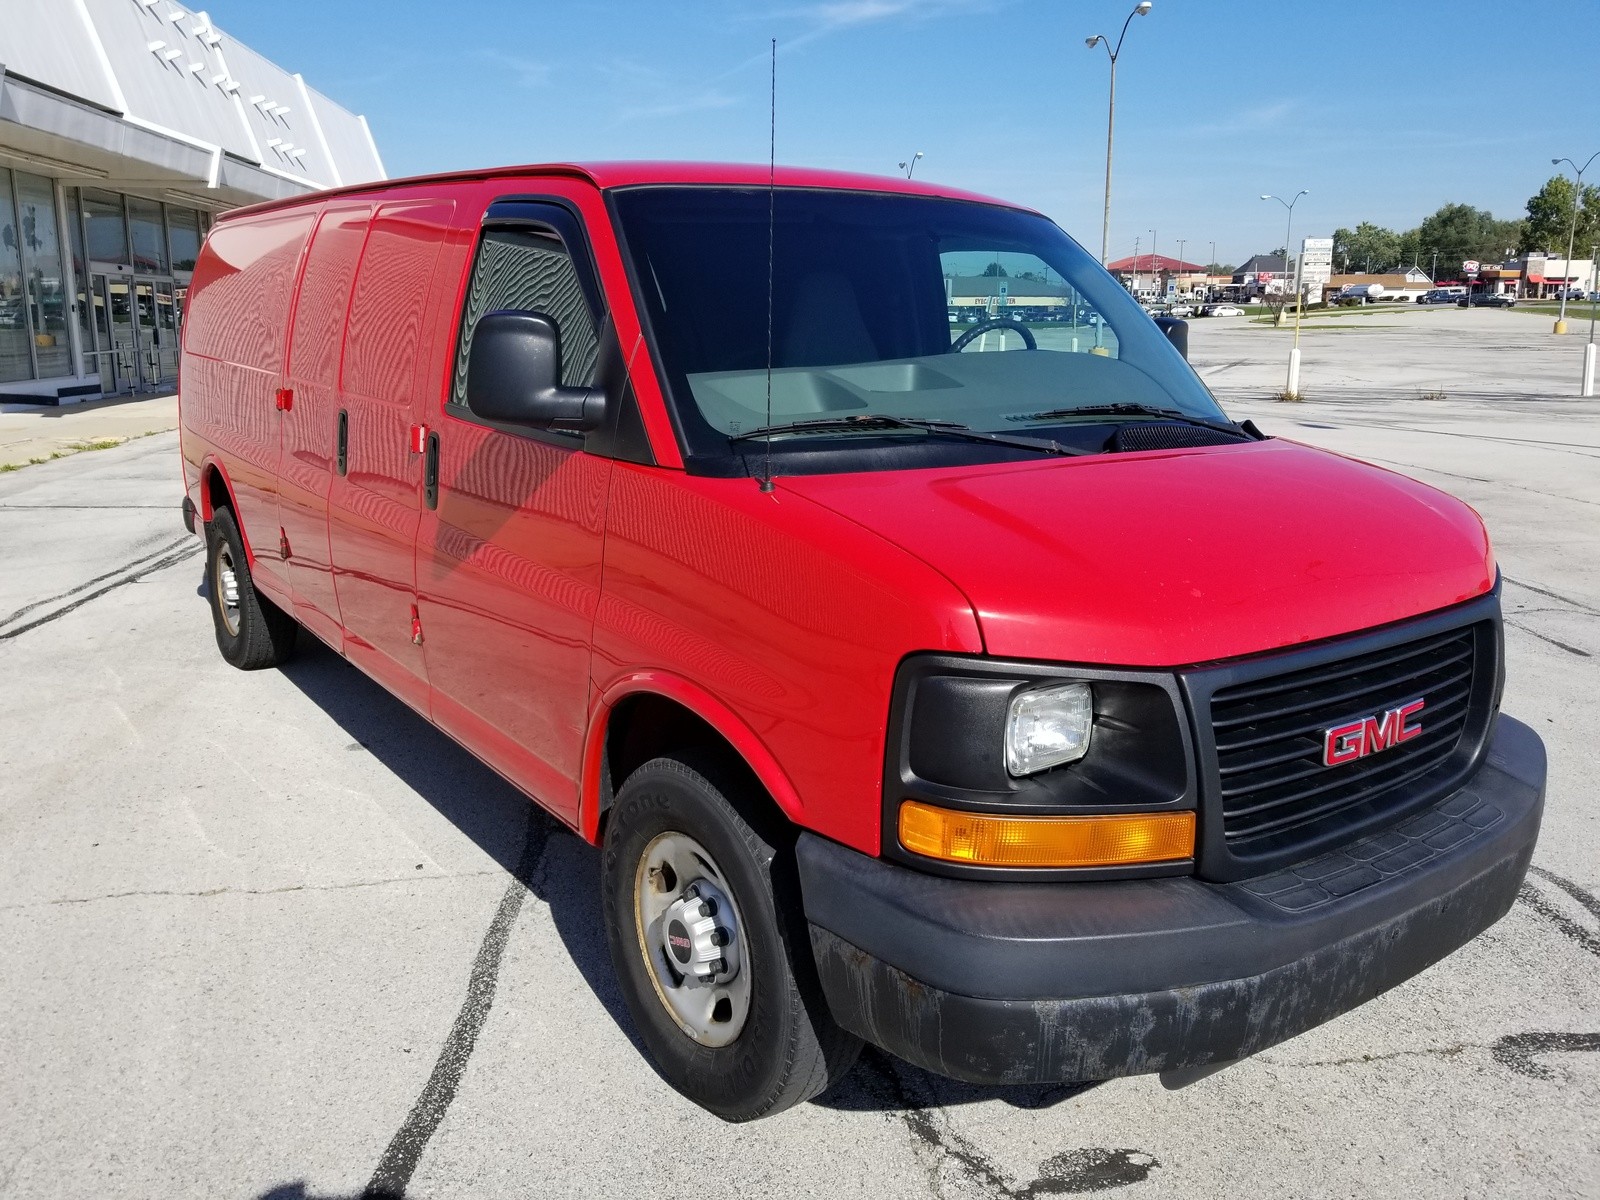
(981, 692)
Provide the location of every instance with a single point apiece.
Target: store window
(107, 232)
(44, 278)
(183, 229)
(149, 236)
(15, 361)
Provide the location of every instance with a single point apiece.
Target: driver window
(531, 272)
(989, 293)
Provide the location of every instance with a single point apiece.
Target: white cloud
(524, 72)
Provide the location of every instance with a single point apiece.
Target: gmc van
(984, 693)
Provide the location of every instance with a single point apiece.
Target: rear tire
(758, 1039)
(252, 631)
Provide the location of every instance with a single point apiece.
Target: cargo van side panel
(311, 425)
(373, 509)
(234, 337)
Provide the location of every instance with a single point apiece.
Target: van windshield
(905, 308)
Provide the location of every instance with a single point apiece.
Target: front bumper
(1042, 982)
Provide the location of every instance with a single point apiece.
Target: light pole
(1139, 10)
(1292, 388)
(1182, 242)
(1577, 194)
(1594, 303)
(1287, 230)
(910, 164)
(1155, 267)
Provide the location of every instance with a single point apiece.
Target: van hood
(1176, 557)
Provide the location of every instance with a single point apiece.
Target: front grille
(1268, 734)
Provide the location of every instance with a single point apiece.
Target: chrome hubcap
(689, 934)
(225, 583)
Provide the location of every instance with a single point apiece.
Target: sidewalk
(29, 432)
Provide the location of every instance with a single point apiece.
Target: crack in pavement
(1586, 939)
(399, 1162)
(232, 891)
(1544, 637)
(138, 567)
(1516, 1051)
(1072, 1172)
(1543, 591)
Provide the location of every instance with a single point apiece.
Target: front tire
(709, 944)
(252, 631)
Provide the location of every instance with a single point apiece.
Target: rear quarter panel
(233, 344)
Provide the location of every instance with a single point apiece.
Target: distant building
(993, 293)
(1260, 274)
(124, 124)
(1153, 272)
(1544, 276)
(1397, 285)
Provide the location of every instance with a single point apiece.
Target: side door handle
(342, 457)
(430, 473)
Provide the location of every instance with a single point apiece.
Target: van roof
(606, 175)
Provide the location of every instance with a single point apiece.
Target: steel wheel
(689, 936)
(225, 582)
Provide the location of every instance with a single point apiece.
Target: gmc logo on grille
(1357, 739)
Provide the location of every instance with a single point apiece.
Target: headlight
(1047, 727)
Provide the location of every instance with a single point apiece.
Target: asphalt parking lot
(270, 935)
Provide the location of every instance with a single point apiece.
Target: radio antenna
(772, 202)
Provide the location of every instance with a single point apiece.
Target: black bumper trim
(1015, 983)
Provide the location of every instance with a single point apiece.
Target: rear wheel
(252, 631)
(709, 944)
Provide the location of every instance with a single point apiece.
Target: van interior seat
(825, 325)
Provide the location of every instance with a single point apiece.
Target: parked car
(1017, 712)
(1222, 310)
(1438, 296)
(1487, 300)
(1180, 310)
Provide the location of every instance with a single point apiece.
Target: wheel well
(216, 490)
(644, 726)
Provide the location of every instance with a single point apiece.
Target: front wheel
(709, 945)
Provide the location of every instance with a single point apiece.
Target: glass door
(165, 331)
(116, 302)
(145, 332)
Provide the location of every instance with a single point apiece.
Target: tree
(1549, 222)
(1460, 232)
(1368, 247)
(1219, 268)
(994, 271)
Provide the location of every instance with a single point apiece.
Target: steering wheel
(982, 327)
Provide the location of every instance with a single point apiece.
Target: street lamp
(1287, 229)
(1182, 242)
(1293, 386)
(911, 164)
(1098, 39)
(1577, 194)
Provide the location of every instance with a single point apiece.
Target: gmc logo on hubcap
(1357, 739)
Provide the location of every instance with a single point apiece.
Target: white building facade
(124, 125)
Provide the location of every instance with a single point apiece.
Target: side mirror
(1177, 332)
(514, 376)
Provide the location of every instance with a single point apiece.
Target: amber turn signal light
(985, 840)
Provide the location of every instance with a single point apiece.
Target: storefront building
(124, 125)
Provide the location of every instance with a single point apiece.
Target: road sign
(1316, 264)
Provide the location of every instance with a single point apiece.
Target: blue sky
(1384, 109)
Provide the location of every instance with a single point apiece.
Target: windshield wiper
(884, 421)
(1129, 408)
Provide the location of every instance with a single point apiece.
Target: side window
(531, 272)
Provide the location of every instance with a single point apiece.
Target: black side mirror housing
(1177, 332)
(514, 376)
